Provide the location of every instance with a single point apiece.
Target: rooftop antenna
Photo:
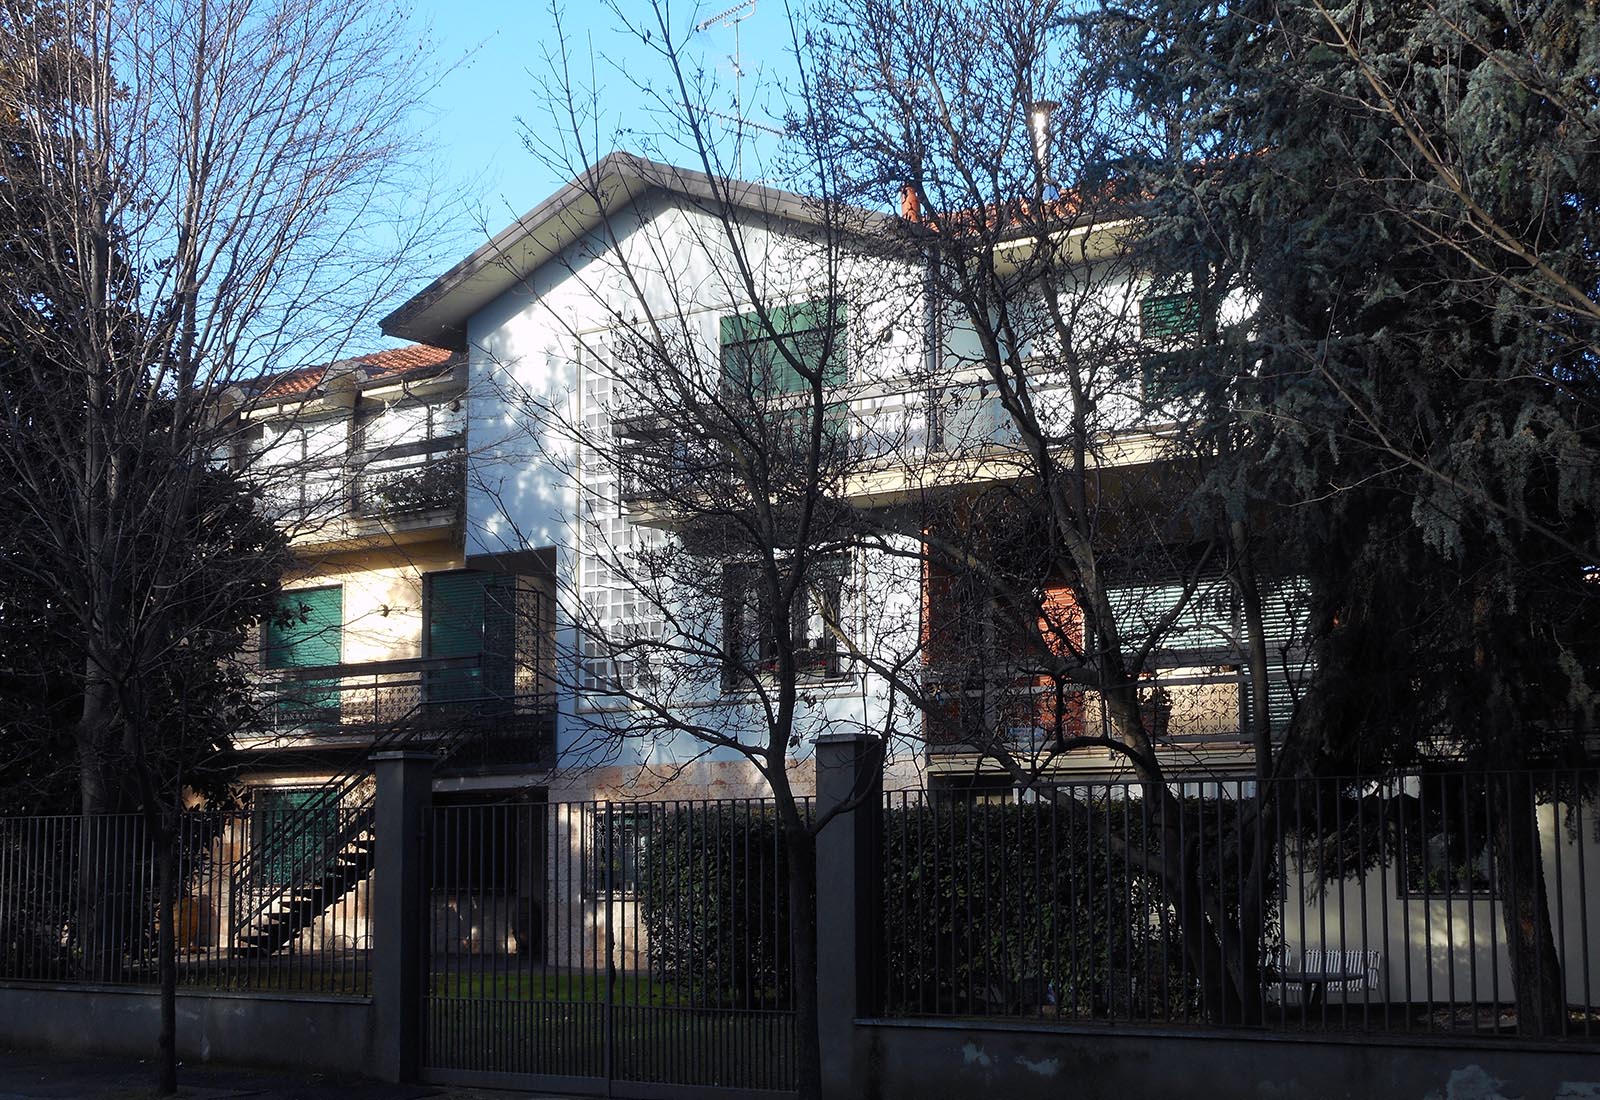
(732, 17)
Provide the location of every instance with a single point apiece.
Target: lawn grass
(629, 989)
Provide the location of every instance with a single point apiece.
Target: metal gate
(609, 948)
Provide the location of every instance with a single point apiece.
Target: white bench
(1320, 972)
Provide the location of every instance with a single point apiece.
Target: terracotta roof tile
(295, 383)
(404, 360)
(389, 363)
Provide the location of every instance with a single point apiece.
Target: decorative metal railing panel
(374, 698)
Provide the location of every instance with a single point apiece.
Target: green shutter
(1167, 315)
(752, 358)
(785, 320)
(307, 634)
(296, 828)
(753, 361)
(312, 639)
(472, 614)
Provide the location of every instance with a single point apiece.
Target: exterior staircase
(301, 864)
(465, 707)
(277, 916)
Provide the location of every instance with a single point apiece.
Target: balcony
(473, 710)
(896, 438)
(1188, 709)
(410, 480)
(400, 493)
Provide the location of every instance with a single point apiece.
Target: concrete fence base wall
(918, 1060)
(330, 1035)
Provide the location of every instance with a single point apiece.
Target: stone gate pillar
(399, 916)
(849, 891)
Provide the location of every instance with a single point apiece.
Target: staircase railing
(296, 865)
(444, 726)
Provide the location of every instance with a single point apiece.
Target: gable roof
(438, 314)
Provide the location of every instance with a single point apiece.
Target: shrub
(713, 897)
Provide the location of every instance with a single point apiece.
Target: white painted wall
(530, 349)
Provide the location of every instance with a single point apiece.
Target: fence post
(397, 912)
(849, 854)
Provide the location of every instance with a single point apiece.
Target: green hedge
(713, 896)
(1032, 909)
(1036, 909)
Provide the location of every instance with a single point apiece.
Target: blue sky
(494, 45)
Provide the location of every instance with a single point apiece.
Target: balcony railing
(412, 481)
(883, 425)
(448, 696)
(1191, 707)
(427, 476)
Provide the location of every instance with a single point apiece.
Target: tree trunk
(101, 910)
(1203, 938)
(1525, 909)
(1203, 928)
(802, 861)
(167, 949)
(1248, 975)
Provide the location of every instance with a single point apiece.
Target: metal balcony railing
(1195, 708)
(439, 694)
(404, 481)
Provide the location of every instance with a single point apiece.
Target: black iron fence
(630, 942)
(79, 900)
(1434, 903)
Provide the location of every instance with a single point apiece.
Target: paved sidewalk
(32, 1076)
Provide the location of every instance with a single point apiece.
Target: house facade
(479, 520)
(469, 513)
(451, 507)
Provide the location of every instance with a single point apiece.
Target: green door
(472, 614)
(307, 635)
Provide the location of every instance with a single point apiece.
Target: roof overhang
(438, 315)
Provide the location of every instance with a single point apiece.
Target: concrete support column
(849, 890)
(399, 916)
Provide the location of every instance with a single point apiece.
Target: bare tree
(194, 192)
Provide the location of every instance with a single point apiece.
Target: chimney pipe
(910, 208)
(1040, 115)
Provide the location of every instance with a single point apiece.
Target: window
(406, 423)
(1167, 319)
(1444, 840)
(985, 789)
(300, 467)
(1166, 316)
(413, 461)
(306, 633)
(760, 360)
(472, 614)
(749, 635)
(756, 356)
(620, 840)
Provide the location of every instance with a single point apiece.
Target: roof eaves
(616, 180)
